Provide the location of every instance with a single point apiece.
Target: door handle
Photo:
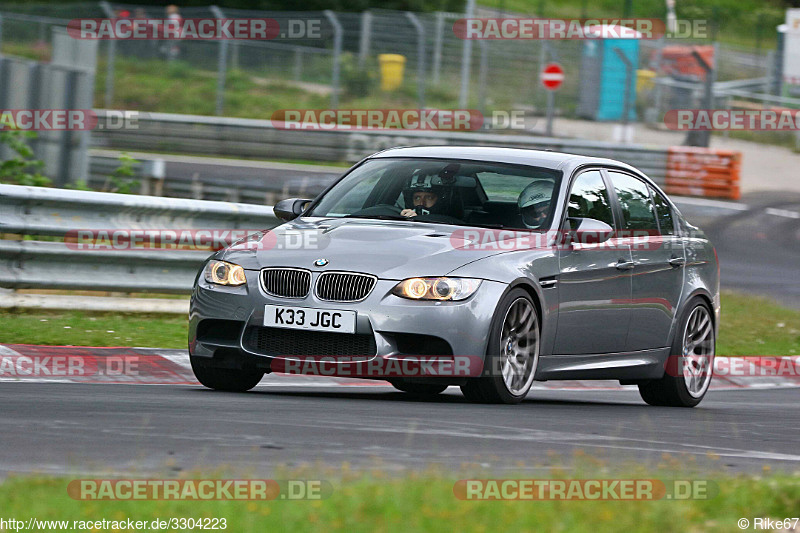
(624, 265)
(677, 261)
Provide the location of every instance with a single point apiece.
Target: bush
(21, 168)
(358, 81)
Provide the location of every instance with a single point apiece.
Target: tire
(514, 351)
(226, 379)
(418, 389)
(690, 368)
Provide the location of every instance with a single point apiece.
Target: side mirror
(587, 231)
(290, 208)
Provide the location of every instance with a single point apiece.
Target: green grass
(157, 86)
(739, 21)
(426, 502)
(80, 328)
(749, 326)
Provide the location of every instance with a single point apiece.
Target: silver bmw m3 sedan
(483, 268)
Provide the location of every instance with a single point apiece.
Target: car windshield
(446, 191)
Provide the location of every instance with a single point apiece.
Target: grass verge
(81, 328)
(749, 325)
(426, 502)
(752, 325)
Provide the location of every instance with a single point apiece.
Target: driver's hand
(408, 213)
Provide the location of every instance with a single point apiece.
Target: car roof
(497, 154)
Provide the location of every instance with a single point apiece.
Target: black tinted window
(589, 198)
(638, 211)
(664, 214)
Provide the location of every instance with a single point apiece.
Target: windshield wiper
(381, 217)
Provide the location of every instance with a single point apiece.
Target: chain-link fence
(327, 59)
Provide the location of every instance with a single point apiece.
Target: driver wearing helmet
(534, 202)
(423, 201)
(424, 196)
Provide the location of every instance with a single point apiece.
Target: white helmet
(533, 198)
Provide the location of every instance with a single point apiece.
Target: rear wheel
(512, 355)
(226, 379)
(688, 374)
(418, 389)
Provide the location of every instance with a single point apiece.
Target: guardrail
(34, 211)
(260, 139)
(249, 182)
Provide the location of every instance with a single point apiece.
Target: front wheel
(512, 355)
(687, 376)
(226, 379)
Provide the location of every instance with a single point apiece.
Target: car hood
(389, 249)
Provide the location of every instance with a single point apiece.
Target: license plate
(281, 316)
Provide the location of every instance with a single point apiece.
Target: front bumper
(463, 325)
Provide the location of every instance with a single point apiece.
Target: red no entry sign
(552, 76)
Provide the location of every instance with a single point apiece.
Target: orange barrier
(703, 172)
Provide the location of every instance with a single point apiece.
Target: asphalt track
(164, 429)
(757, 240)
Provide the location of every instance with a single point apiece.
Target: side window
(664, 213)
(638, 211)
(589, 198)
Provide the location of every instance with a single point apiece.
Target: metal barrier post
(65, 162)
(777, 70)
(420, 58)
(35, 96)
(337, 52)
(657, 99)
(466, 58)
(437, 47)
(298, 63)
(551, 95)
(703, 138)
(5, 68)
(4, 90)
(366, 34)
(482, 73)
(626, 106)
(222, 65)
(111, 53)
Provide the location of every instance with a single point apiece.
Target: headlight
(224, 273)
(450, 289)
